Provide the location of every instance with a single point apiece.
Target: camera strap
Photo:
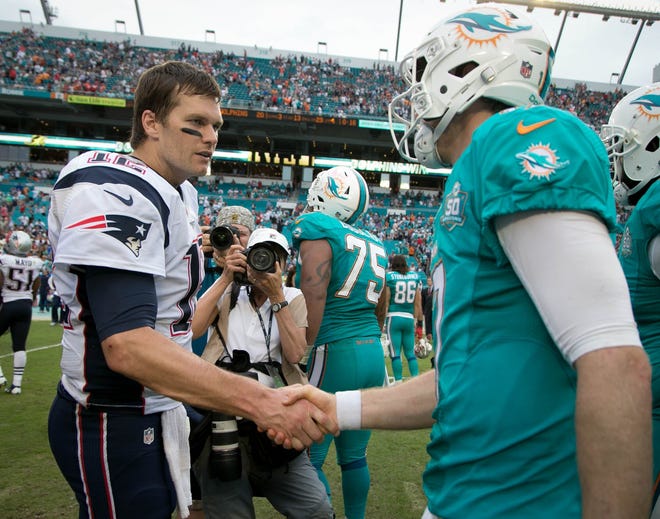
(266, 333)
(272, 369)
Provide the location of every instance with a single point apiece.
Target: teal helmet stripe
(363, 201)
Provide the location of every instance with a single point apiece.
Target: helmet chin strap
(425, 149)
(621, 193)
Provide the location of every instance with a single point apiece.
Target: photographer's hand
(270, 283)
(207, 248)
(234, 260)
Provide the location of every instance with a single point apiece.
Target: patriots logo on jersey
(129, 231)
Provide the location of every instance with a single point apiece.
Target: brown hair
(158, 88)
(399, 264)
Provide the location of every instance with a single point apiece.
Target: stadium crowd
(293, 82)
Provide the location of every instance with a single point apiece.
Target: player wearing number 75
(341, 271)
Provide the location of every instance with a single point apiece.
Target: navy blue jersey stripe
(96, 174)
(105, 387)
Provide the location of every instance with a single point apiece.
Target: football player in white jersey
(19, 278)
(128, 263)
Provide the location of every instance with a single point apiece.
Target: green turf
(32, 486)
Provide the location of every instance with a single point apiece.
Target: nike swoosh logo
(127, 201)
(523, 129)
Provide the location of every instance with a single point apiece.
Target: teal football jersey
(503, 444)
(403, 288)
(358, 276)
(642, 226)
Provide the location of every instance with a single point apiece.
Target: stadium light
(25, 12)
(380, 54)
(398, 31)
(209, 33)
(321, 44)
(120, 23)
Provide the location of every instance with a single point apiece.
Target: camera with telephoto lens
(262, 256)
(225, 458)
(222, 236)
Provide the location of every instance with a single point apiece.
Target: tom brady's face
(188, 137)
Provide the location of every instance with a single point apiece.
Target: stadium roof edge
(640, 10)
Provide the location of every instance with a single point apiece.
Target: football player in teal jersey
(540, 401)
(632, 137)
(341, 271)
(404, 305)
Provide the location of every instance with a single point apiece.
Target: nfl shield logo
(148, 436)
(526, 69)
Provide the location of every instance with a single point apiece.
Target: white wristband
(349, 410)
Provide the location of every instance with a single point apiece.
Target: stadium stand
(299, 83)
(62, 64)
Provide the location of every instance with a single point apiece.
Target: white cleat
(13, 390)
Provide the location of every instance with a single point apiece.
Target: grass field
(32, 486)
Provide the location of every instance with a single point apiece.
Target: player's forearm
(156, 362)
(405, 406)
(613, 431)
(315, 308)
(292, 337)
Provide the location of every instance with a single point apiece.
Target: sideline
(33, 349)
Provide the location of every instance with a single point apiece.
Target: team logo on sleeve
(129, 231)
(540, 161)
(454, 207)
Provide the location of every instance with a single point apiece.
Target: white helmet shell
(632, 139)
(340, 192)
(19, 243)
(485, 51)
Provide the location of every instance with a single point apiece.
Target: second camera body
(222, 236)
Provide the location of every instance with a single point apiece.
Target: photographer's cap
(266, 234)
(235, 214)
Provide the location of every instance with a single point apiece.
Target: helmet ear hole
(653, 144)
(420, 67)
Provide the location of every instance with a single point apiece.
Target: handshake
(306, 416)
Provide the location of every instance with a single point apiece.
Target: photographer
(258, 330)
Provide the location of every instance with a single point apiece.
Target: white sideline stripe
(34, 349)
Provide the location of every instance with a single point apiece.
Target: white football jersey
(19, 273)
(111, 210)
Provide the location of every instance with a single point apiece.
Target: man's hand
(320, 404)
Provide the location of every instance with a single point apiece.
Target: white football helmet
(19, 243)
(632, 139)
(485, 51)
(340, 192)
(423, 348)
